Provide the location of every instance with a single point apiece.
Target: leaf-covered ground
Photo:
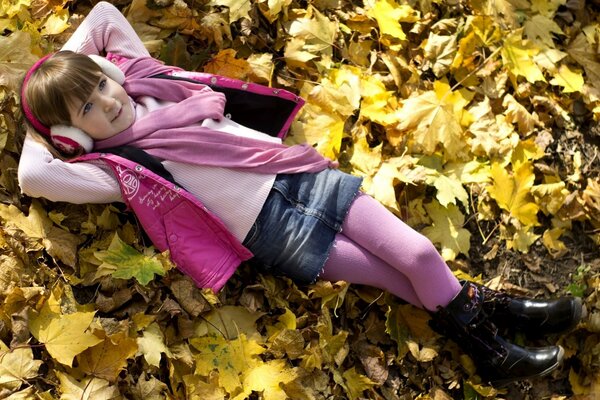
(475, 121)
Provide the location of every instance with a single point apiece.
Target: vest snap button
(228, 115)
(173, 238)
(138, 168)
(213, 80)
(245, 86)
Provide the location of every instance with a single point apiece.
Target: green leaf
(123, 261)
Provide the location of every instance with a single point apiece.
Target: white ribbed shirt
(235, 196)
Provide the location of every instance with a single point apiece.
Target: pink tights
(377, 249)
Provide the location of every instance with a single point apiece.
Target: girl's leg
(371, 226)
(351, 263)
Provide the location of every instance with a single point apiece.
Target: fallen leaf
(63, 335)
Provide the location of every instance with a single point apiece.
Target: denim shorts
(296, 227)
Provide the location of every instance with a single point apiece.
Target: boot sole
(559, 360)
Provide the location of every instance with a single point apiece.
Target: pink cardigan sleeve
(105, 29)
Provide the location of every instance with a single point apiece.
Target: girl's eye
(86, 108)
(102, 84)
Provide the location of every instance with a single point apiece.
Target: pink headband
(26, 110)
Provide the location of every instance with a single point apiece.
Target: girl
(150, 130)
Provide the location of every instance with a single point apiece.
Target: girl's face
(106, 112)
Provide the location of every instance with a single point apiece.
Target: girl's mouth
(118, 113)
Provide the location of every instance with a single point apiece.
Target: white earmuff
(109, 69)
(71, 140)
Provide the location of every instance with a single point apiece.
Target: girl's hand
(334, 164)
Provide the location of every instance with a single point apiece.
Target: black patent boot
(498, 361)
(532, 316)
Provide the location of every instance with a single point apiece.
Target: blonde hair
(62, 81)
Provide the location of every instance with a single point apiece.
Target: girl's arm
(42, 175)
(105, 29)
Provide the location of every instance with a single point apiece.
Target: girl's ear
(71, 140)
(109, 69)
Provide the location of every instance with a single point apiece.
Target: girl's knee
(424, 251)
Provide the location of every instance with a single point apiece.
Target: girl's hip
(297, 225)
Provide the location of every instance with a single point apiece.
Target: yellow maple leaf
(57, 23)
(59, 243)
(152, 344)
(228, 321)
(591, 197)
(231, 358)
(551, 241)
(272, 8)
(448, 189)
(12, 8)
(215, 28)
(550, 196)
(440, 50)
(518, 56)
(512, 192)
(583, 51)
(434, 119)
(570, 80)
(295, 55)
(15, 58)
(321, 130)
(197, 389)
(266, 378)
(315, 31)
(16, 366)
(421, 353)
(491, 135)
(108, 358)
(548, 58)
(525, 152)
(382, 185)
(522, 239)
(406, 324)
(500, 10)
(540, 28)
(63, 335)
(516, 113)
(488, 32)
(389, 14)
(378, 103)
(547, 7)
(480, 31)
(86, 389)
(261, 67)
(364, 159)
(338, 92)
(466, 52)
(225, 63)
(447, 230)
(237, 9)
(333, 346)
(355, 384)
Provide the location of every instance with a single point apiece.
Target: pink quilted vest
(199, 243)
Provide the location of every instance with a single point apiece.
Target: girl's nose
(109, 103)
